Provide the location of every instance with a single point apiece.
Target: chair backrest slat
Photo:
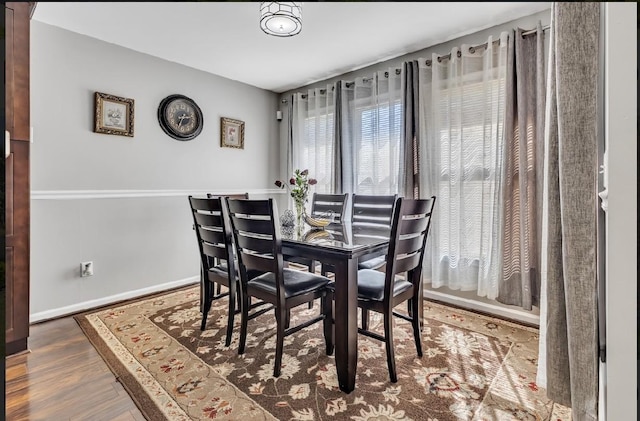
(258, 262)
(207, 219)
(254, 225)
(406, 263)
(211, 236)
(411, 226)
(214, 250)
(205, 204)
(409, 245)
(255, 244)
(372, 209)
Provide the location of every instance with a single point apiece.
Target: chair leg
(365, 319)
(231, 314)
(415, 322)
(312, 269)
(281, 314)
(239, 297)
(202, 289)
(327, 309)
(287, 320)
(219, 289)
(243, 321)
(388, 335)
(206, 306)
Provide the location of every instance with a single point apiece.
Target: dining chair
(370, 211)
(217, 261)
(259, 247)
(383, 291)
(323, 205)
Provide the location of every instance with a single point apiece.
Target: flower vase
(299, 216)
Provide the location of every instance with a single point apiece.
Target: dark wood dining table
(341, 246)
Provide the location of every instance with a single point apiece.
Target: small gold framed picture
(231, 133)
(114, 115)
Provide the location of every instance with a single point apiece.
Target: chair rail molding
(123, 194)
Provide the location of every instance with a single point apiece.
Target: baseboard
(507, 313)
(91, 304)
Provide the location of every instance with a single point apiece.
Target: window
(470, 126)
(377, 148)
(317, 150)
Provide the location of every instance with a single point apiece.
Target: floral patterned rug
(473, 368)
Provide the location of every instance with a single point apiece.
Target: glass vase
(299, 216)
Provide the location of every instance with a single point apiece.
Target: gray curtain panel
(410, 133)
(344, 132)
(338, 168)
(290, 135)
(571, 328)
(524, 153)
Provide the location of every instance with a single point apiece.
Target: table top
(338, 236)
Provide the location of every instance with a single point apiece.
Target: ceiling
(224, 38)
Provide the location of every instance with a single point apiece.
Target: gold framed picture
(231, 133)
(114, 115)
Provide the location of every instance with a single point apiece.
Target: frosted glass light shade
(282, 19)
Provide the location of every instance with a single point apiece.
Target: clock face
(180, 117)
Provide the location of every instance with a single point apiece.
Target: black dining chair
(217, 261)
(383, 291)
(259, 247)
(369, 211)
(372, 210)
(323, 205)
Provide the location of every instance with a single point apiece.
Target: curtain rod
(533, 31)
(472, 49)
(350, 84)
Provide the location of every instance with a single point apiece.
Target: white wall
(122, 202)
(621, 142)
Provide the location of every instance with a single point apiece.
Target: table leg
(346, 323)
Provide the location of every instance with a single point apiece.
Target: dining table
(342, 246)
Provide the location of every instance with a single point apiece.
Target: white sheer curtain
(462, 101)
(313, 135)
(372, 121)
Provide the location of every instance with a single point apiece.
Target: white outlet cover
(86, 269)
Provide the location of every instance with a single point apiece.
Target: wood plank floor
(63, 378)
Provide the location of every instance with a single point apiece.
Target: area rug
(473, 368)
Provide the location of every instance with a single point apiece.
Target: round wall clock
(180, 117)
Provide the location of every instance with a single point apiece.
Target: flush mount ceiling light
(282, 19)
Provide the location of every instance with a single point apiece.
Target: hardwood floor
(64, 378)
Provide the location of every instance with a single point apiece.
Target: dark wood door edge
(17, 346)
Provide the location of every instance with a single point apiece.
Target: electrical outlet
(86, 269)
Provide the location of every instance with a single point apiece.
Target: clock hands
(182, 117)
